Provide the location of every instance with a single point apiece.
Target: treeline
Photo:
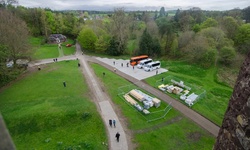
(203, 37)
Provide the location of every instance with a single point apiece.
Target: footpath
(103, 102)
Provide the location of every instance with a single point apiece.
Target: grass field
(42, 114)
(49, 50)
(214, 104)
(160, 134)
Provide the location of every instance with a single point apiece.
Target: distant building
(56, 38)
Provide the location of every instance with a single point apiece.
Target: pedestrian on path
(133, 67)
(122, 64)
(110, 122)
(114, 69)
(114, 62)
(114, 122)
(156, 72)
(117, 136)
(64, 83)
(127, 64)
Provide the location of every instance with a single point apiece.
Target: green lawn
(182, 134)
(214, 104)
(44, 51)
(42, 114)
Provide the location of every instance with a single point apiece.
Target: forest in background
(207, 38)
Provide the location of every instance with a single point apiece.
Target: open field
(49, 50)
(214, 104)
(42, 114)
(175, 131)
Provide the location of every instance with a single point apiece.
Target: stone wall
(235, 130)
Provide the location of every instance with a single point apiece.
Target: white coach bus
(152, 66)
(144, 62)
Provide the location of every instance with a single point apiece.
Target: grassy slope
(41, 114)
(214, 105)
(179, 135)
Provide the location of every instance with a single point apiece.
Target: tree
(210, 22)
(87, 39)
(177, 15)
(227, 55)
(215, 36)
(145, 44)
(230, 26)
(235, 129)
(6, 3)
(246, 14)
(119, 29)
(209, 58)
(186, 21)
(162, 12)
(242, 38)
(14, 35)
(113, 47)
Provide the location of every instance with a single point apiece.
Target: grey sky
(135, 4)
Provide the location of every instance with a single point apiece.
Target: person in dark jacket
(117, 136)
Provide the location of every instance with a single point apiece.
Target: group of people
(121, 64)
(113, 123)
(55, 60)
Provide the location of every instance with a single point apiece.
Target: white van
(144, 62)
(152, 66)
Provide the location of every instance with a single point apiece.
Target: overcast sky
(135, 4)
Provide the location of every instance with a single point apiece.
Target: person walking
(64, 83)
(110, 122)
(117, 136)
(114, 122)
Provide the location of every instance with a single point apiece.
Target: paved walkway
(103, 101)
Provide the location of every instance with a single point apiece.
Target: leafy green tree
(210, 22)
(196, 28)
(215, 36)
(102, 43)
(209, 58)
(145, 44)
(177, 15)
(227, 55)
(246, 14)
(87, 39)
(230, 26)
(156, 48)
(113, 48)
(162, 12)
(186, 21)
(174, 52)
(242, 38)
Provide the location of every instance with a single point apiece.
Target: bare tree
(120, 28)
(14, 34)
